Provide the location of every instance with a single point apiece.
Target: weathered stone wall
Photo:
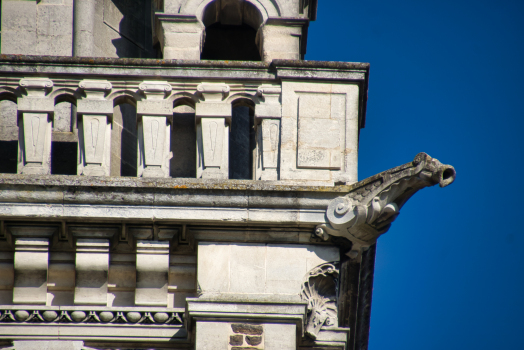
(37, 27)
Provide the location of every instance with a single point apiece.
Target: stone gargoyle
(368, 210)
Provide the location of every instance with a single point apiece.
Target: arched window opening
(124, 139)
(231, 31)
(183, 142)
(8, 136)
(64, 139)
(241, 143)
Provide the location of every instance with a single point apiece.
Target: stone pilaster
(268, 113)
(180, 36)
(35, 126)
(213, 116)
(155, 115)
(94, 128)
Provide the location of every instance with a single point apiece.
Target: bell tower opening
(231, 31)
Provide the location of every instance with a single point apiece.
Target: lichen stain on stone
(179, 186)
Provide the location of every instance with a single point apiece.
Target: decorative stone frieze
(320, 291)
(374, 203)
(34, 126)
(92, 317)
(94, 114)
(213, 115)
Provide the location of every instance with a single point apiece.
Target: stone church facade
(174, 175)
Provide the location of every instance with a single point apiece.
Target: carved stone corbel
(368, 210)
(320, 291)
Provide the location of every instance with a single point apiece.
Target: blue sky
(447, 79)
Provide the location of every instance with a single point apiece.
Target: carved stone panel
(94, 137)
(321, 126)
(319, 132)
(154, 138)
(35, 127)
(94, 145)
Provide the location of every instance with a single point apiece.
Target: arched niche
(124, 134)
(242, 139)
(8, 132)
(183, 138)
(231, 30)
(64, 141)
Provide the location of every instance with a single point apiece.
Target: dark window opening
(228, 42)
(8, 156)
(64, 158)
(183, 143)
(241, 144)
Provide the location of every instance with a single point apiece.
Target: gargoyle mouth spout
(447, 175)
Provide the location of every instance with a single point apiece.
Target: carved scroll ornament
(368, 210)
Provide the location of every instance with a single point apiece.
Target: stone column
(155, 115)
(94, 128)
(31, 262)
(152, 268)
(83, 21)
(92, 266)
(213, 116)
(267, 123)
(35, 126)
(180, 36)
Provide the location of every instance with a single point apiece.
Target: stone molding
(368, 210)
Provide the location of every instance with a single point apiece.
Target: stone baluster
(213, 116)
(31, 265)
(92, 266)
(152, 269)
(155, 115)
(94, 128)
(34, 126)
(268, 113)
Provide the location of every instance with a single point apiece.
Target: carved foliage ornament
(368, 210)
(320, 290)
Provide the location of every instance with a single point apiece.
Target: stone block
(92, 266)
(19, 27)
(247, 268)
(212, 335)
(280, 336)
(325, 144)
(152, 269)
(30, 263)
(182, 278)
(258, 268)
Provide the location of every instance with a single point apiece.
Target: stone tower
(174, 175)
